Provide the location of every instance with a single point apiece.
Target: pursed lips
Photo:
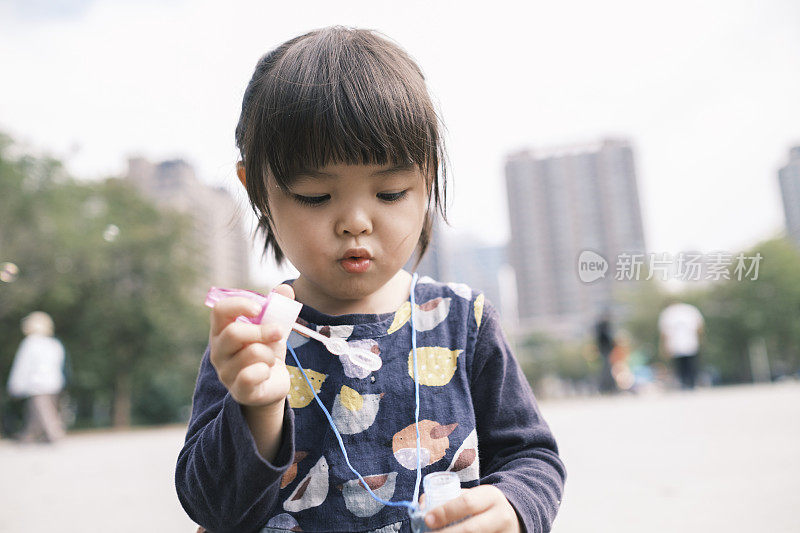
(356, 260)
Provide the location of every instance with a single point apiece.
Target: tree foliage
(116, 275)
(737, 312)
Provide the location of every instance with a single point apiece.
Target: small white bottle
(439, 488)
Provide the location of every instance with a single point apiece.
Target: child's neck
(387, 299)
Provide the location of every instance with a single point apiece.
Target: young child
(343, 163)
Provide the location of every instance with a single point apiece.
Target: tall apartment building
(433, 262)
(789, 177)
(561, 202)
(222, 242)
(484, 268)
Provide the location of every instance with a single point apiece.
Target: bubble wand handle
(331, 344)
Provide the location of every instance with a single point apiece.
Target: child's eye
(311, 200)
(392, 196)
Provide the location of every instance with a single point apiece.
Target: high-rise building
(432, 263)
(789, 177)
(562, 202)
(481, 266)
(222, 243)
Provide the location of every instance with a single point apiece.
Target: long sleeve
(222, 481)
(518, 453)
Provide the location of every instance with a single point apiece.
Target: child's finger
(483, 522)
(248, 379)
(285, 289)
(226, 310)
(470, 502)
(249, 355)
(237, 335)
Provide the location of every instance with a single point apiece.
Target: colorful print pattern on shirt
(374, 413)
(311, 491)
(300, 394)
(353, 412)
(436, 365)
(360, 502)
(465, 461)
(434, 442)
(426, 317)
(478, 309)
(291, 473)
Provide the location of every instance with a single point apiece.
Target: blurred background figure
(37, 375)
(681, 326)
(605, 345)
(621, 369)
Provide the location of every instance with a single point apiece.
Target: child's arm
(517, 451)
(249, 360)
(240, 437)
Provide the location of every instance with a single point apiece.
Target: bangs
(340, 96)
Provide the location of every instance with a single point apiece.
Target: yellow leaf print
(400, 317)
(428, 315)
(351, 398)
(479, 309)
(436, 365)
(300, 394)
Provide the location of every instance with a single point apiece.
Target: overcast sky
(707, 91)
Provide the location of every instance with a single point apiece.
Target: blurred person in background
(605, 345)
(624, 378)
(37, 375)
(681, 328)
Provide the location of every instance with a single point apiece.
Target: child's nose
(354, 221)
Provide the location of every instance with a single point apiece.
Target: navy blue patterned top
(478, 418)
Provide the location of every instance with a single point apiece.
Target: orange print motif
(291, 473)
(434, 442)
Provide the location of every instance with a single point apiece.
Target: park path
(724, 459)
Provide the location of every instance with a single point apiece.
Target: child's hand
(249, 358)
(483, 508)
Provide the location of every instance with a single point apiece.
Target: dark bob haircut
(338, 95)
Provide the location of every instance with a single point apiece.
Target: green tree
(739, 312)
(116, 275)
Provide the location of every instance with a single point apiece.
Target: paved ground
(726, 459)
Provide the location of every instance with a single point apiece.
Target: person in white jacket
(681, 327)
(38, 375)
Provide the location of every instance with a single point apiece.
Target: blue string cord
(416, 388)
(412, 505)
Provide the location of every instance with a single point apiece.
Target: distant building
(481, 267)
(222, 242)
(462, 259)
(789, 177)
(432, 263)
(561, 202)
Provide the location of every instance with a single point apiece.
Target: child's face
(349, 229)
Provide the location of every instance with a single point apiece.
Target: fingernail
(430, 521)
(255, 309)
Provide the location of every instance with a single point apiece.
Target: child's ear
(241, 174)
